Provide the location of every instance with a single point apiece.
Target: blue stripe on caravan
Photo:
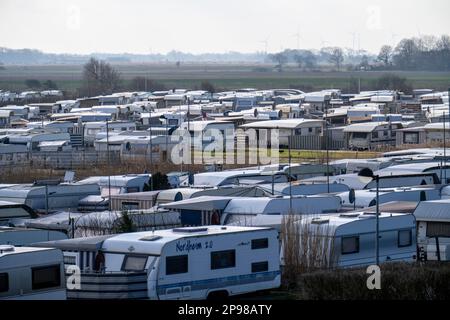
(220, 282)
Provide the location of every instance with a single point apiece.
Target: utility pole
(151, 146)
(290, 177)
(109, 166)
(445, 152)
(326, 146)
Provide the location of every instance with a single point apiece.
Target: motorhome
(348, 239)
(28, 273)
(180, 263)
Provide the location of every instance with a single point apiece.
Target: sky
(201, 26)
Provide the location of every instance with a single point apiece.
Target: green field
(222, 76)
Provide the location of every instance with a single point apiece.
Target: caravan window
(223, 259)
(4, 282)
(404, 238)
(350, 245)
(438, 229)
(260, 266)
(260, 243)
(176, 264)
(134, 263)
(45, 277)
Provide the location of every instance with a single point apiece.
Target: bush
(399, 281)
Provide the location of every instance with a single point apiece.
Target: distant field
(222, 76)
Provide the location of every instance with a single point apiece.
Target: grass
(222, 76)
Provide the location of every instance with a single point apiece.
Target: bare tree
(280, 59)
(100, 77)
(385, 55)
(337, 57)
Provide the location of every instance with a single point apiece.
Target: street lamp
(367, 176)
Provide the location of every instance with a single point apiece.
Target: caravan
(349, 238)
(31, 273)
(181, 263)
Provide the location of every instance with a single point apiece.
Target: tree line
(418, 53)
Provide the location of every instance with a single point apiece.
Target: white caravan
(349, 239)
(31, 273)
(433, 229)
(181, 263)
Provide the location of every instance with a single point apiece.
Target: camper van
(181, 263)
(31, 273)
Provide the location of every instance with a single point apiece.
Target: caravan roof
(153, 242)
(206, 203)
(281, 205)
(282, 124)
(411, 167)
(436, 210)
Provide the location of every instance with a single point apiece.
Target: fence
(73, 159)
(316, 143)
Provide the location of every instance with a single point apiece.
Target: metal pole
(46, 199)
(445, 153)
(326, 145)
(290, 177)
(377, 233)
(109, 166)
(151, 147)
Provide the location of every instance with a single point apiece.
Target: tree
(364, 64)
(145, 84)
(207, 86)
(50, 85)
(280, 59)
(100, 77)
(385, 55)
(391, 81)
(160, 182)
(337, 57)
(405, 54)
(33, 83)
(309, 59)
(125, 224)
(299, 60)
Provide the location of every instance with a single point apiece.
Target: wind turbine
(298, 36)
(266, 44)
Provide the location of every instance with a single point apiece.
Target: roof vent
(320, 220)
(190, 229)
(349, 215)
(150, 238)
(6, 248)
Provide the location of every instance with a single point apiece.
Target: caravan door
(152, 277)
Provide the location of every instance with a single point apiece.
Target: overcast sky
(198, 26)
